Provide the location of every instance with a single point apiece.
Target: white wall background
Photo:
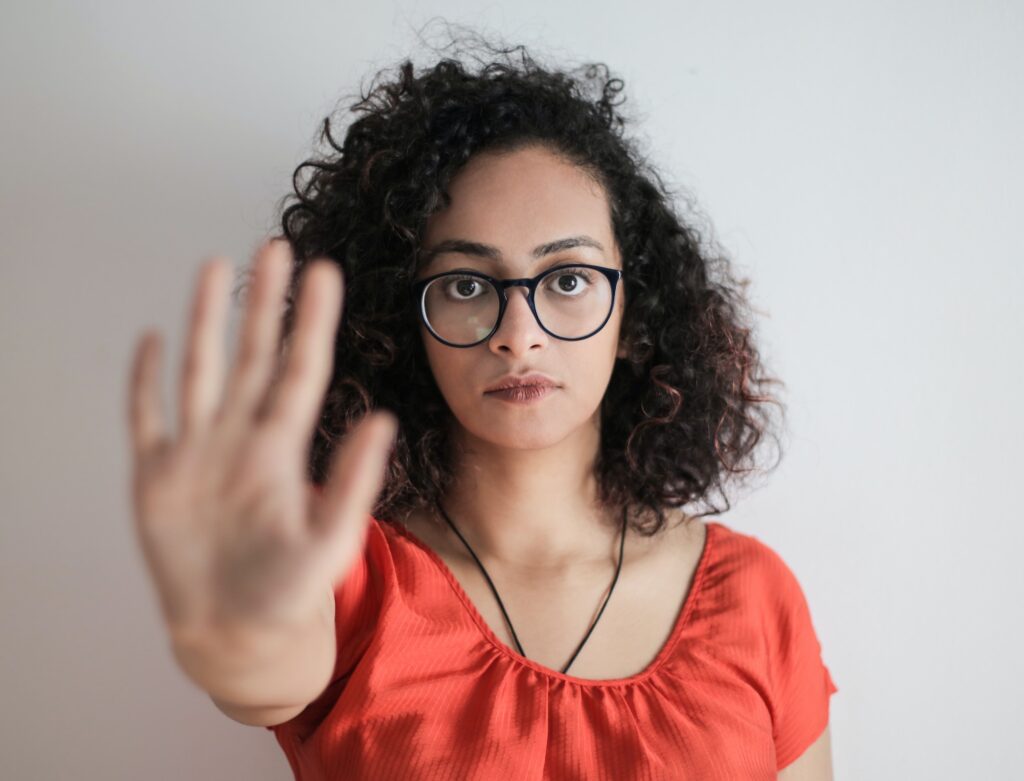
(862, 163)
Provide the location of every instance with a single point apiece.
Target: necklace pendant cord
(519, 647)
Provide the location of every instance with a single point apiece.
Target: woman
(517, 365)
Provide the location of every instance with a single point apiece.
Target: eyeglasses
(571, 301)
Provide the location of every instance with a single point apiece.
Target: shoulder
(748, 552)
(405, 552)
(770, 593)
(757, 575)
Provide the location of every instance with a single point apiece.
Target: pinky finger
(145, 410)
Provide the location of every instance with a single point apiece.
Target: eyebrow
(487, 252)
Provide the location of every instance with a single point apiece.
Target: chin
(523, 440)
(520, 428)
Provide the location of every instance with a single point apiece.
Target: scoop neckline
(710, 529)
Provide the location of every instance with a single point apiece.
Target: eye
(463, 288)
(567, 281)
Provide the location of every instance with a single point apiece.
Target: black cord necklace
(618, 566)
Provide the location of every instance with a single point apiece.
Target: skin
(815, 764)
(525, 497)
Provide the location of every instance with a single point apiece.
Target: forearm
(260, 670)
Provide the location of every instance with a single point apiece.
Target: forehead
(518, 200)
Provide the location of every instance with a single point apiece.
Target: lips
(532, 379)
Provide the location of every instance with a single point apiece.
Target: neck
(534, 510)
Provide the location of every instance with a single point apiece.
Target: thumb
(353, 485)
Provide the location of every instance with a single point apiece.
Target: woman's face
(515, 202)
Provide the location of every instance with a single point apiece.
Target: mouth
(522, 394)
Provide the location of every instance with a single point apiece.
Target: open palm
(233, 534)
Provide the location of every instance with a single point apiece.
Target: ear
(621, 352)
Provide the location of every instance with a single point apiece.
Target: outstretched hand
(233, 534)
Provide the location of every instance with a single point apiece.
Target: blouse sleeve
(800, 680)
(357, 605)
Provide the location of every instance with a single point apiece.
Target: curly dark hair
(682, 412)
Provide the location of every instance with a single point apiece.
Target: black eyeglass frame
(501, 285)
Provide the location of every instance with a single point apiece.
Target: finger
(299, 394)
(259, 345)
(356, 479)
(145, 411)
(202, 380)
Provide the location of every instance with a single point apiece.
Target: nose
(519, 330)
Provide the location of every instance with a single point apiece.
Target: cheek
(450, 367)
(588, 369)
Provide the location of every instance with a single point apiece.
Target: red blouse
(423, 689)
